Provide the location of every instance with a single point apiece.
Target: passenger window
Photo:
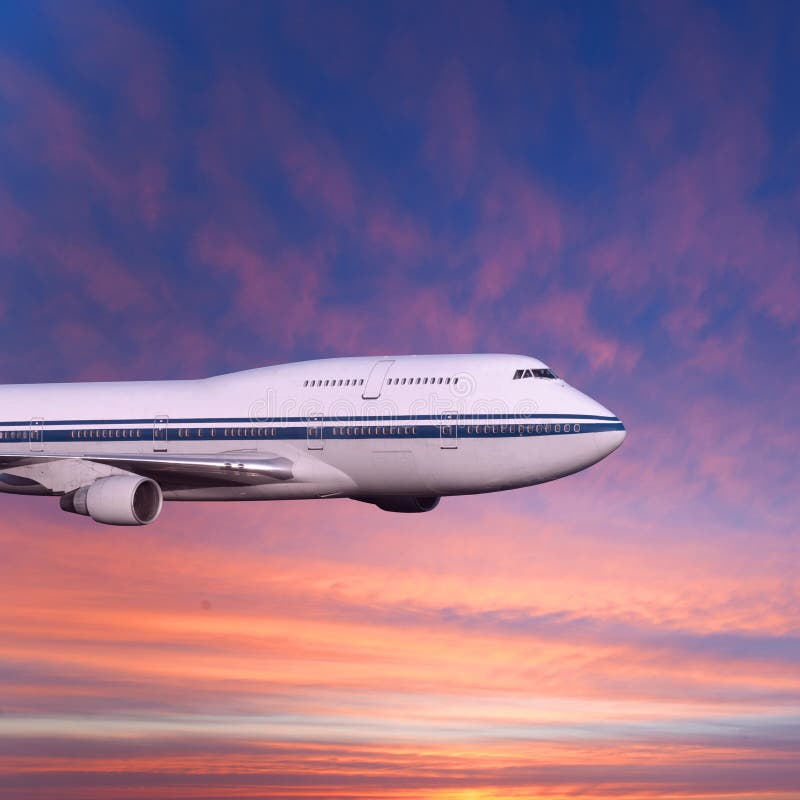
(439, 380)
(447, 380)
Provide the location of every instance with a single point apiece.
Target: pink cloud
(452, 138)
(49, 130)
(114, 51)
(563, 316)
(258, 123)
(272, 291)
(317, 175)
(14, 225)
(45, 126)
(519, 239)
(779, 295)
(685, 204)
(397, 234)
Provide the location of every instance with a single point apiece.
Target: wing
(174, 471)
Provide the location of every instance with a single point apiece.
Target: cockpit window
(535, 373)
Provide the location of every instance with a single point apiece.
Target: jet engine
(403, 504)
(118, 500)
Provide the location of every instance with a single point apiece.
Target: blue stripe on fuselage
(354, 428)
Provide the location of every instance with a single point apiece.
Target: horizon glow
(193, 189)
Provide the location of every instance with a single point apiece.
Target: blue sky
(193, 188)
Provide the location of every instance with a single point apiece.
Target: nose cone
(608, 430)
(609, 440)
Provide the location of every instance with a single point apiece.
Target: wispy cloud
(192, 190)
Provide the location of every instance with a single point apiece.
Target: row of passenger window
(15, 436)
(411, 430)
(108, 433)
(224, 433)
(389, 381)
(335, 382)
(263, 433)
(547, 428)
(178, 433)
(376, 430)
(423, 381)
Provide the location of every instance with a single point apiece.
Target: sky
(191, 188)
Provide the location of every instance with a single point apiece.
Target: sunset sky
(190, 188)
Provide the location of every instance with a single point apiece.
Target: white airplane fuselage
(398, 431)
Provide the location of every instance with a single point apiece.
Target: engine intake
(118, 500)
(403, 504)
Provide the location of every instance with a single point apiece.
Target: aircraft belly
(549, 458)
(380, 466)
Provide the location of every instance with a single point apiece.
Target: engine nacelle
(403, 504)
(118, 500)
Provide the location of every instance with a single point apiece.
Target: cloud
(184, 194)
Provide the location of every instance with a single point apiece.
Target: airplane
(399, 432)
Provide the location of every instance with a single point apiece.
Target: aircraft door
(448, 431)
(36, 435)
(160, 434)
(315, 433)
(374, 384)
